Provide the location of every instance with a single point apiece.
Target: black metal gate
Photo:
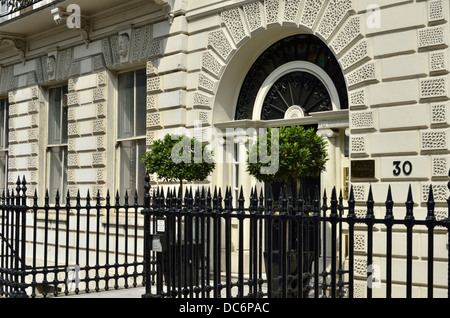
(198, 245)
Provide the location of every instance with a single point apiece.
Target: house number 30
(405, 167)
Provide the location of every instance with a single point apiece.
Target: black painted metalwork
(13, 6)
(247, 273)
(64, 256)
(301, 89)
(187, 244)
(297, 88)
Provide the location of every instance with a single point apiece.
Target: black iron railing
(92, 245)
(278, 250)
(198, 245)
(13, 6)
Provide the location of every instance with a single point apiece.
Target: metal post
(351, 243)
(389, 219)
(97, 248)
(430, 224)
(55, 278)
(146, 212)
(370, 217)
(35, 207)
(316, 222)
(300, 259)
(240, 213)
(333, 216)
(409, 222)
(88, 207)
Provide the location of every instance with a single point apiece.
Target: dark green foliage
(178, 158)
(298, 153)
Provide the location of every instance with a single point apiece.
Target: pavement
(136, 292)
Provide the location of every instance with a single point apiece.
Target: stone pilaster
(87, 129)
(26, 154)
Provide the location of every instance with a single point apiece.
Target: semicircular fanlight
(297, 93)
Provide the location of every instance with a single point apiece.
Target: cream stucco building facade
(379, 70)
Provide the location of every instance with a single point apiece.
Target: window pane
(2, 125)
(3, 172)
(55, 175)
(64, 118)
(127, 168)
(141, 170)
(63, 191)
(58, 173)
(141, 102)
(126, 106)
(132, 169)
(54, 116)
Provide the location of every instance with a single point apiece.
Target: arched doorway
(294, 80)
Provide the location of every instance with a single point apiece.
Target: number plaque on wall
(363, 168)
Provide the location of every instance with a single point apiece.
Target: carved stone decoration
(107, 54)
(358, 145)
(272, 11)
(365, 74)
(334, 21)
(438, 62)
(440, 114)
(434, 140)
(439, 166)
(18, 44)
(358, 98)
(436, 87)
(311, 11)
(253, 15)
(294, 112)
(219, 42)
(123, 43)
(432, 37)
(362, 120)
(437, 11)
(7, 80)
(64, 63)
(334, 14)
(233, 21)
(291, 10)
(50, 66)
(361, 52)
(349, 33)
(128, 46)
(295, 88)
